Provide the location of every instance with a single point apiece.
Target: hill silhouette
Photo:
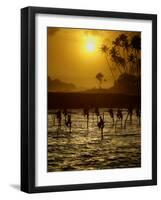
(57, 85)
(125, 84)
(124, 93)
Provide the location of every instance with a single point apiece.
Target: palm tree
(104, 48)
(136, 42)
(121, 43)
(124, 54)
(100, 78)
(119, 61)
(105, 51)
(132, 61)
(136, 47)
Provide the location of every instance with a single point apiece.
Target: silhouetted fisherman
(138, 114)
(110, 111)
(129, 113)
(65, 113)
(119, 117)
(53, 119)
(86, 113)
(101, 125)
(58, 116)
(68, 122)
(97, 113)
(119, 114)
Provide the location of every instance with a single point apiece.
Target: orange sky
(74, 56)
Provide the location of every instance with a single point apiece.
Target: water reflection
(75, 142)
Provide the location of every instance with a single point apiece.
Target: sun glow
(90, 44)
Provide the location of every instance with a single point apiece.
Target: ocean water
(85, 148)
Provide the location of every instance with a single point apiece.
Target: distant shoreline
(60, 100)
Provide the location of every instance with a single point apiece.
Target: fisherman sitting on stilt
(68, 122)
(101, 125)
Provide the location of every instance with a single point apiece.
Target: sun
(90, 46)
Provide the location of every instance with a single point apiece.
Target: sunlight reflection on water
(84, 149)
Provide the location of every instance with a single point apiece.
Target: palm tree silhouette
(136, 42)
(125, 55)
(132, 61)
(136, 47)
(100, 77)
(118, 60)
(105, 51)
(121, 43)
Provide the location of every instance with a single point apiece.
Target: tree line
(122, 57)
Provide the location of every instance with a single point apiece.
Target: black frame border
(28, 98)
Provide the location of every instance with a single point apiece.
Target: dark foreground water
(85, 149)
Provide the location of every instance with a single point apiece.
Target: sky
(74, 56)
